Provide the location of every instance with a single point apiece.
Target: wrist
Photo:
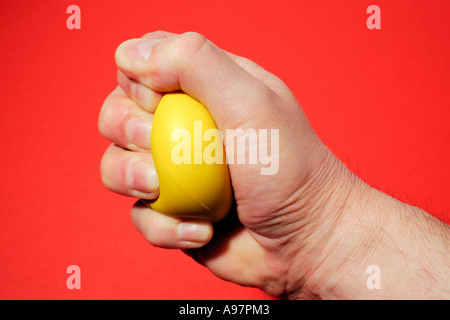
(382, 248)
(326, 203)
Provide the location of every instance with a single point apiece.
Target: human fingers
(123, 122)
(248, 65)
(129, 173)
(144, 97)
(170, 232)
(191, 63)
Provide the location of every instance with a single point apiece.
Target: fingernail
(138, 131)
(142, 177)
(193, 232)
(137, 49)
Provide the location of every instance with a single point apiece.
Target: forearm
(386, 249)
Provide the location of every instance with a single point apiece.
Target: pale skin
(311, 230)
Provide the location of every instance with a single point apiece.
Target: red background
(378, 98)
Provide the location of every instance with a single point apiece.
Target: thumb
(193, 64)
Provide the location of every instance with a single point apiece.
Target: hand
(297, 230)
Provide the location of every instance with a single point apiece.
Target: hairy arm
(384, 249)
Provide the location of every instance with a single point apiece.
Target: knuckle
(269, 95)
(155, 34)
(102, 122)
(158, 34)
(113, 116)
(244, 62)
(105, 167)
(271, 102)
(113, 169)
(190, 43)
(151, 233)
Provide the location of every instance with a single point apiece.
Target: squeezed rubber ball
(189, 158)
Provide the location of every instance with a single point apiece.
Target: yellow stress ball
(189, 158)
